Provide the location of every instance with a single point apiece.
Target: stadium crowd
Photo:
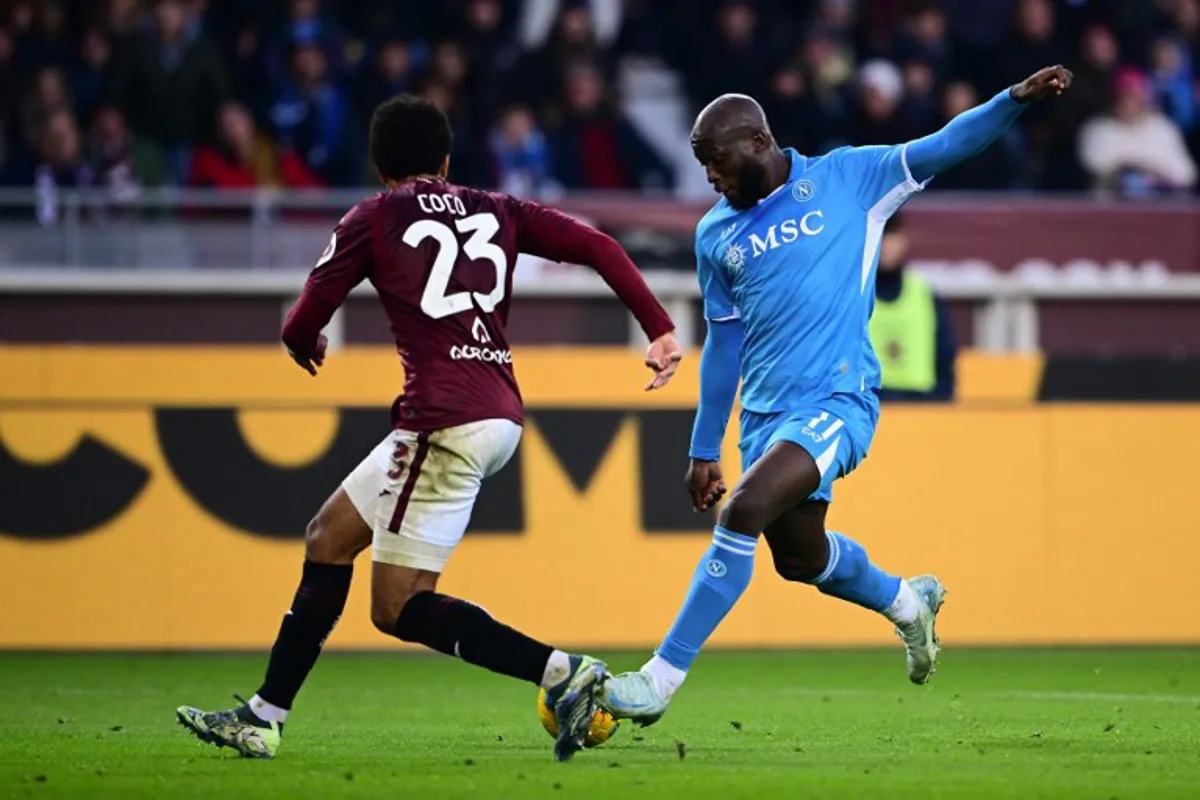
(227, 93)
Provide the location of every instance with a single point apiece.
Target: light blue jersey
(789, 287)
(799, 270)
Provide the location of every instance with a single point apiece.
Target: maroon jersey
(440, 257)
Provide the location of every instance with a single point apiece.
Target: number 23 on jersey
(479, 229)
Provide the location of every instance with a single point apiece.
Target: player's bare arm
(1047, 82)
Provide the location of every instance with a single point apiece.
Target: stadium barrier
(141, 487)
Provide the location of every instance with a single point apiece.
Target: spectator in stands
(312, 118)
(482, 30)
(47, 96)
(740, 58)
(1091, 94)
(829, 66)
(10, 88)
(450, 65)
(796, 116)
(923, 38)
(61, 166)
(1034, 44)
(998, 167)
(1135, 151)
(41, 38)
(242, 158)
(876, 118)
(520, 154)
(919, 109)
(1184, 16)
(978, 29)
(539, 75)
(91, 72)
(910, 328)
(393, 73)
(596, 147)
(125, 20)
(306, 24)
(1173, 78)
(468, 165)
(538, 17)
(248, 77)
(120, 161)
(170, 82)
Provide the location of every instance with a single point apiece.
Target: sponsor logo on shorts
(488, 355)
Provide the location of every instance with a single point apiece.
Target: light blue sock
(851, 576)
(723, 574)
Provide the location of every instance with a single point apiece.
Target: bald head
(730, 116)
(732, 141)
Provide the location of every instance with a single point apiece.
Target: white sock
(905, 609)
(267, 712)
(558, 669)
(667, 677)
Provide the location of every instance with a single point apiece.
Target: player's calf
(404, 604)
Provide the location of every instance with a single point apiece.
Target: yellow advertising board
(156, 497)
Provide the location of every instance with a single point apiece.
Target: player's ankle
(262, 713)
(558, 670)
(666, 676)
(906, 608)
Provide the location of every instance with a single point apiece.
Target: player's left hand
(315, 360)
(1051, 81)
(663, 356)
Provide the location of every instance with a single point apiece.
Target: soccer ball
(601, 730)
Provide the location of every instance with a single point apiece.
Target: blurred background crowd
(551, 95)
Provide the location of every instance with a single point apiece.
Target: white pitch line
(1106, 697)
(1087, 697)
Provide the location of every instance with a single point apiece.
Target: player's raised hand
(316, 359)
(663, 356)
(705, 484)
(1051, 81)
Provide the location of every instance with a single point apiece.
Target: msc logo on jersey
(735, 257)
(803, 190)
(787, 232)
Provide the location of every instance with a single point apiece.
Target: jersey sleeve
(714, 287)
(880, 177)
(345, 262)
(553, 235)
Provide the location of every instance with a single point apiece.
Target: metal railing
(262, 242)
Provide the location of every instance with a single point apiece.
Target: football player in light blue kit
(786, 261)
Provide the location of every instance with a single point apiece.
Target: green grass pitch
(1005, 723)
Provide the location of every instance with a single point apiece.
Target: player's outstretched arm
(972, 131)
(550, 234)
(720, 367)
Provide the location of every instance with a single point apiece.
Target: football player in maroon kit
(440, 257)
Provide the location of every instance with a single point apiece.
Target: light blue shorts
(836, 431)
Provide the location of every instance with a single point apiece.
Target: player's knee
(385, 612)
(800, 567)
(744, 512)
(330, 541)
(315, 540)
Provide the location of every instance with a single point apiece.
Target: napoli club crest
(803, 190)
